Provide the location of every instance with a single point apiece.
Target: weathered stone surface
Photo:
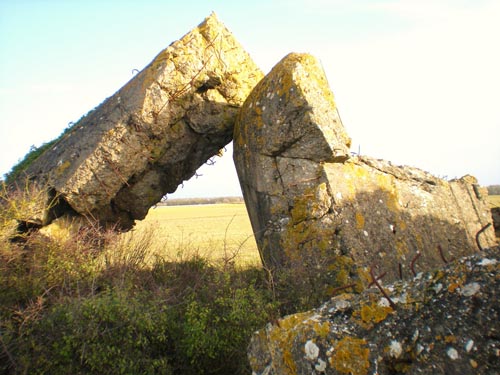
(153, 134)
(286, 129)
(313, 207)
(390, 214)
(443, 322)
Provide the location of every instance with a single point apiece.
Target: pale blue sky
(416, 82)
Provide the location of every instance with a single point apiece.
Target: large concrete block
(151, 135)
(313, 207)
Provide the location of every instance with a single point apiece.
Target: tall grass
(207, 230)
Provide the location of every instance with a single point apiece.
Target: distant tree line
(197, 201)
(494, 190)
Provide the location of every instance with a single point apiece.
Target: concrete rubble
(442, 322)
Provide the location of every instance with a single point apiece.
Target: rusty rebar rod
(384, 293)
(479, 233)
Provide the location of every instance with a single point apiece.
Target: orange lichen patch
(385, 180)
(258, 111)
(450, 339)
(391, 201)
(455, 283)
(300, 210)
(62, 167)
(307, 239)
(352, 173)
(289, 362)
(373, 312)
(315, 74)
(402, 225)
(322, 329)
(290, 329)
(283, 337)
(360, 220)
(350, 356)
(452, 287)
(292, 321)
(342, 266)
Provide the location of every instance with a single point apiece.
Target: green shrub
(44, 266)
(204, 330)
(110, 333)
(218, 322)
(69, 307)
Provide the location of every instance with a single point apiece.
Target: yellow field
(494, 200)
(215, 231)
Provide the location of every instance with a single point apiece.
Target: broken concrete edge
(277, 117)
(185, 100)
(443, 319)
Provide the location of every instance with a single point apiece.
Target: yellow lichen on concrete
(317, 76)
(372, 313)
(342, 267)
(307, 75)
(350, 356)
(358, 179)
(360, 220)
(307, 240)
(303, 205)
(322, 329)
(282, 337)
(289, 362)
(352, 173)
(62, 167)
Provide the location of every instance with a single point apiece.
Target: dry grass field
(216, 231)
(494, 200)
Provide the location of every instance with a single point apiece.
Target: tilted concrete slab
(155, 132)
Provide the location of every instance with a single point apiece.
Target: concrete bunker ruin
(307, 198)
(310, 202)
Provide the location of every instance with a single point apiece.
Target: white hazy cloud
(427, 96)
